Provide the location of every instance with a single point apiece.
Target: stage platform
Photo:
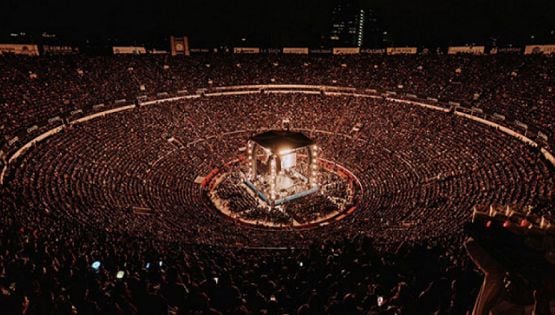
(280, 201)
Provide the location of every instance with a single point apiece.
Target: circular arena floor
(337, 197)
(134, 171)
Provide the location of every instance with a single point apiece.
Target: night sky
(277, 23)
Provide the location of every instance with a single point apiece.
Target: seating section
(69, 200)
(35, 89)
(416, 166)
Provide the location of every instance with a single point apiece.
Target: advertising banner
(539, 49)
(373, 51)
(246, 50)
(59, 50)
(320, 51)
(270, 50)
(295, 50)
(505, 50)
(158, 52)
(200, 50)
(401, 50)
(346, 50)
(132, 50)
(474, 50)
(19, 49)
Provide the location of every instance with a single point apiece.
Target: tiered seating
(69, 200)
(422, 171)
(36, 89)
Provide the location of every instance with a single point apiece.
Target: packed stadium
(290, 180)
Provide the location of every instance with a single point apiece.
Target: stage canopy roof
(280, 140)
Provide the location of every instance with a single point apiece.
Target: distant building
(353, 26)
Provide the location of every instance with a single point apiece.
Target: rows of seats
(421, 171)
(34, 90)
(71, 199)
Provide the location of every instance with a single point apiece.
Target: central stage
(281, 166)
(235, 196)
(281, 200)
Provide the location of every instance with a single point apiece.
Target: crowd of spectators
(48, 269)
(35, 89)
(233, 194)
(71, 244)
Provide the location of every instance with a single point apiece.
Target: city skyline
(277, 24)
